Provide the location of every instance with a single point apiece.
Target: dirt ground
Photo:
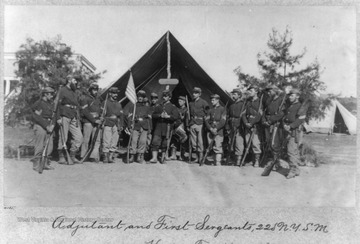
(179, 184)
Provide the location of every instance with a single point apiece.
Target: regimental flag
(130, 90)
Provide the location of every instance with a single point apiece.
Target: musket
(188, 118)
(48, 136)
(131, 135)
(168, 137)
(98, 128)
(211, 144)
(249, 142)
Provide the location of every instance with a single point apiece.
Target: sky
(219, 38)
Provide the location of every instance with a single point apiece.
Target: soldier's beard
(73, 86)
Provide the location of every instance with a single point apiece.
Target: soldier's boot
(73, 158)
(256, 160)
(106, 158)
(111, 158)
(218, 159)
(154, 158)
(47, 165)
(293, 172)
(62, 159)
(141, 158)
(195, 160)
(173, 153)
(201, 157)
(238, 160)
(163, 157)
(131, 158)
(36, 164)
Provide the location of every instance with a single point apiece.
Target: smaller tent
(337, 120)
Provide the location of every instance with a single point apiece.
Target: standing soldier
(113, 125)
(237, 131)
(91, 111)
(251, 119)
(141, 127)
(293, 119)
(69, 120)
(42, 116)
(153, 103)
(165, 115)
(180, 125)
(215, 122)
(198, 110)
(273, 114)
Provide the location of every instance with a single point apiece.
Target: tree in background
(279, 67)
(43, 63)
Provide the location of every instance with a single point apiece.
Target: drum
(180, 133)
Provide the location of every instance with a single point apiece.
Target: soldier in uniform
(181, 122)
(69, 120)
(165, 115)
(43, 112)
(198, 110)
(91, 111)
(154, 102)
(215, 122)
(294, 117)
(273, 113)
(141, 127)
(236, 111)
(251, 120)
(113, 125)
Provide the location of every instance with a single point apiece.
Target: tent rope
(168, 56)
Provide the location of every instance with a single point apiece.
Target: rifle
(188, 118)
(98, 127)
(251, 136)
(211, 144)
(62, 135)
(131, 135)
(168, 137)
(48, 136)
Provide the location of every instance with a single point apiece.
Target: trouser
(239, 143)
(293, 152)
(89, 131)
(255, 142)
(138, 141)
(218, 140)
(196, 137)
(73, 126)
(159, 142)
(110, 139)
(40, 140)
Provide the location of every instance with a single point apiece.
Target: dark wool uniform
(273, 115)
(198, 111)
(42, 113)
(141, 128)
(236, 126)
(216, 118)
(161, 124)
(253, 116)
(294, 117)
(90, 111)
(69, 115)
(113, 124)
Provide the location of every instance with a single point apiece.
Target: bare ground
(179, 184)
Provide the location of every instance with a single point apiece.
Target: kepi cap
(216, 96)
(93, 86)
(182, 98)
(113, 90)
(48, 89)
(236, 90)
(197, 90)
(154, 95)
(141, 93)
(295, 91)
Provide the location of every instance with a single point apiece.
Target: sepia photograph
(189, 107)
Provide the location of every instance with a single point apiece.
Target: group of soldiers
(266, 122)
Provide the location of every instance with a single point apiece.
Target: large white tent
(337, 120)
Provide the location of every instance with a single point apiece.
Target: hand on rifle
(248, 125)
(213, 131)
(59, 121)
(266, 123)
(120, 129)
(98, 121)
(287, 127)
(50, 128)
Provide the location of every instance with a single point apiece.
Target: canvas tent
(337, 120)
(153, 65)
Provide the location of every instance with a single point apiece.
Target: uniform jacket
(198, 111)
(216, 118)
(235, 113)
(162, 123)
(293, 116)
(142, 116)
(252, 114)
(113, 108)
(272, 112)
(90, 106)
(68, 103)
(46, 112)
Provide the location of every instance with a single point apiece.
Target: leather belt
(70, 106)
